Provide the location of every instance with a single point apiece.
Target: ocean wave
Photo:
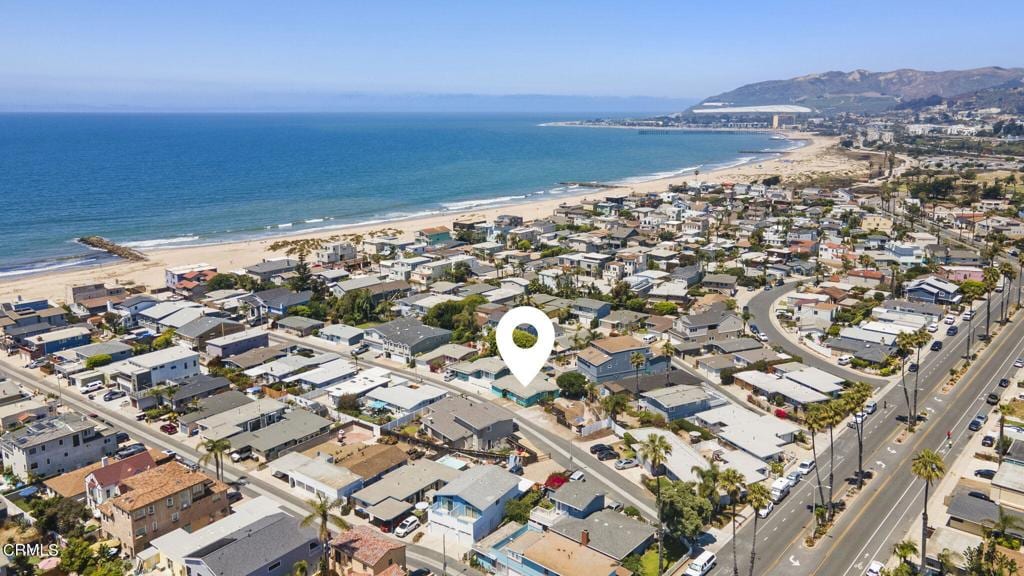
(160, 242)
(313, 220)
(467, 204)
(45, 266)
(659, 175)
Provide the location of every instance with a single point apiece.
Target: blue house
(56, 340)
(471, 506)
(608, 359)
(932, 290)
(679, 402)
(578, 499)
(539, 389)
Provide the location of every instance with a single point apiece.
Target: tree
(928, 466)
(833, 413)
(614, 404)
(991, 280)
(1005, 523)
(164, 340)
(664, 308)
(637, 360)
(668, 351)
(321, 512)
(856, 397)
(222, 282)
(758, 497)
(947, 560)
(654, 450)
(904, 343)
(904, 549)
(97, 360)
(213, 450)
(572, 384)
(76, 556)
(920, 338)
(732, 483)
(814, 419)
(684, 512)
(300, 568)
(302, 279)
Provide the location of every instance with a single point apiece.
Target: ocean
(164, 180)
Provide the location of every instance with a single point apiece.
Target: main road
(887, 498)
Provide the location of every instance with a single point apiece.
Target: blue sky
(148, 52)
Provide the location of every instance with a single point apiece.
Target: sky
(255, 53)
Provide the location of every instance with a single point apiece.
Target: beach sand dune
(818, 156)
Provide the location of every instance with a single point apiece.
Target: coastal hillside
(864, 91)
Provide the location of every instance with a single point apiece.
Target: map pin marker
(525, 363)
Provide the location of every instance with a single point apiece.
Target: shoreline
(812, 156)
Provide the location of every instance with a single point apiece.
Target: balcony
(544, 517)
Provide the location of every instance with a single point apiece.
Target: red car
(169, 428)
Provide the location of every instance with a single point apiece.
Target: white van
(845, 360)
(701, 565)
(780, 489)
(649, 338)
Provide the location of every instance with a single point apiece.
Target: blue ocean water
(163, 180)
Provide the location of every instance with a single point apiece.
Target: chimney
(585, 538)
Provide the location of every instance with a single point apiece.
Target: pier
(114, 248)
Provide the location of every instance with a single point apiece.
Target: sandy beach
(816, 156)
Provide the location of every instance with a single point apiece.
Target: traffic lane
(760, 307)
(965, 405)
(140, 432)
(781, 552)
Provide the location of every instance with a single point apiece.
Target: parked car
(988, 441)
(577, 476)
(985, 473)
(1019, 363)
(608, 455)
(94, 387)
(875, 568)
(977, 423)
(951, 331)
(1004, 382)
(241, 454)
(968, 315)
(845, 360)
(169, 428)
(912, 367)
(234, 496)
(764, 512)
(806, 467)
(950, 320)
(992, 398)
(599, 448)
(625, 463)
(933, 327)
(121, 437)
(870, 406)
(794, 478)
(130, 450)
(408, 526)
(936, 345)
(113, 395)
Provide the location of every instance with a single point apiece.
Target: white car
(870, 406)
(875, 568)
(806, 467)
(1019, 363)
(950, 320)
(933, 327)
(764, 512)
(408, 526)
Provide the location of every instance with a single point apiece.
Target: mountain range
(872, 92)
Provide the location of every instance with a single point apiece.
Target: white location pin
(525, 363)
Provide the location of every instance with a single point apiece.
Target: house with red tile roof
(362, 550)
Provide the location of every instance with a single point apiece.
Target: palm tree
(707, 484)
(1007, 272)
(814, 419)
(214, 450)
(300, 568)
(321, 512)
(732, 483)
(856, 397)
(668, 350)
(904, 549)
(636, 359)
(991, 280)
(1006, 522)
(904, 343)
(947, 560)
(920, 338)
(927, 466)
(654, 450)
(758, 497)
(614, 404)
(834, 411)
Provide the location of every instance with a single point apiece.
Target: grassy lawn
(1016, 409)
(674, 550)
